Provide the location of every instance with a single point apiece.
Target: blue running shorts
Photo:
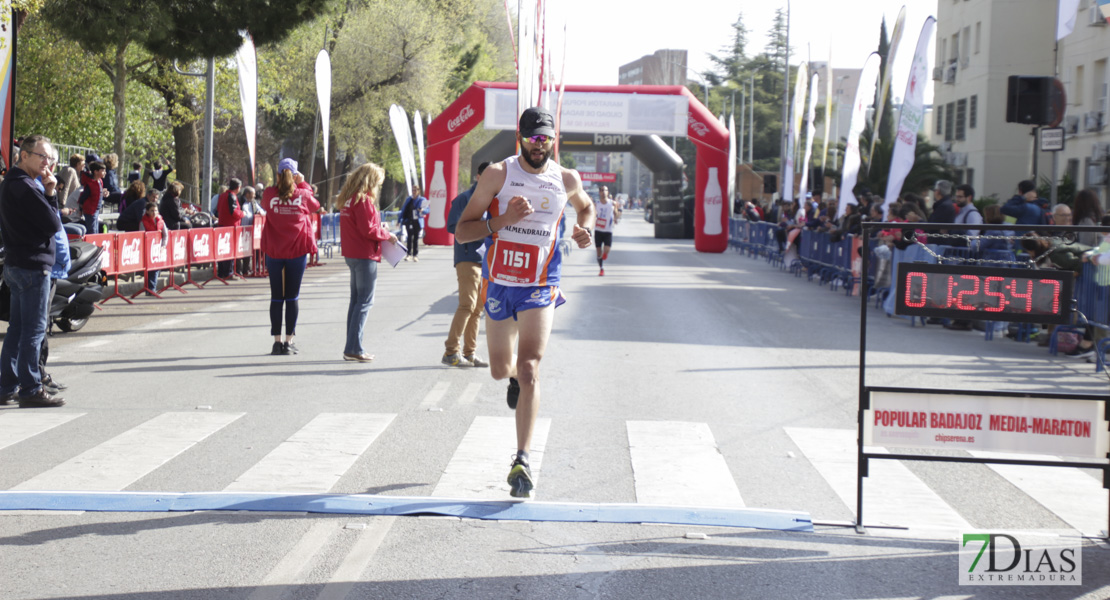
(504, 301)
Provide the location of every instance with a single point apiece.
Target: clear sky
(604, 34)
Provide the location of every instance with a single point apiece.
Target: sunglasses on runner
(539, 139)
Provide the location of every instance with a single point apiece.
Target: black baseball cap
(537, 121)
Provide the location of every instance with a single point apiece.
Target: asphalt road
(678, 378)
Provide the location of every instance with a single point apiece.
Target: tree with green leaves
(167, 32)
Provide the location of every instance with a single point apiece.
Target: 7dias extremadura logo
(1020, 558)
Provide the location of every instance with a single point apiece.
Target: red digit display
(960, 304)
(995, 294)
(1027, 296)
(1001, 306)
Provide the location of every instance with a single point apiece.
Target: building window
(949, 121)
(939, 117)
(1072, 170)
(961, 119)
(969, 177)
(978, 35)
(973, 112)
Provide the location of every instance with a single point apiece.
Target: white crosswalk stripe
(124, 459)
(18, 426)
(316, 457)
(480, 464)
(679, 463)
(1077, 498)
(893, 495)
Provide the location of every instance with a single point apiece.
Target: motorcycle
(75, 297)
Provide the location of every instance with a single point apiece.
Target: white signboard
(997, 423)
(595, 112)
(1052, 139)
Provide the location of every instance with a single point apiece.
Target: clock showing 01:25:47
(983, 293)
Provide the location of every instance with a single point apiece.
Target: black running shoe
(279, 349)
(520, 479)
(289, 348)
(514, 392)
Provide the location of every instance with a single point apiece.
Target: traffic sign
(1052, 139)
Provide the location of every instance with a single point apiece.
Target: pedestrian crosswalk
(669, 463)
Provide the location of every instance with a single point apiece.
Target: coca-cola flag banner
(593, 112)
(398, 120)
(246, 61)
(418, 127)
(884, 87)
(731, 162)
(794, 123)
(811, 129)
(323, 94)
(865, 94)
(527, 73)
(7, 88)
(909, 121)
(829, 77)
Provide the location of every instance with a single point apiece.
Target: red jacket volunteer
(287, 232)
(360, 228)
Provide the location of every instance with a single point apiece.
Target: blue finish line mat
(364, 504)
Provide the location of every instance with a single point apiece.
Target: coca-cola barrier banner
(179, 248)
(666, 110)
(107, 242)
(244, 246)
(200, 246)
(157, 255)
(256, 225)
(226, 242)
(130, 254)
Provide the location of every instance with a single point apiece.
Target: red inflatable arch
(464, 114)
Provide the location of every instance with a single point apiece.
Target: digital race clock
(983, 293)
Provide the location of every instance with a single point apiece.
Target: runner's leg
(500, 340)
(534, 331)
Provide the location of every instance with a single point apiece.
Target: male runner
(608, 213)
(525, 196)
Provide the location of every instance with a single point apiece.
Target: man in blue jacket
(28, 222)
(1025, 206)
(468, 267)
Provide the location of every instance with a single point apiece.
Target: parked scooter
(75, 296)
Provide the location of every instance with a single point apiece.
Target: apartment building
(980, 44)
(1086, 76)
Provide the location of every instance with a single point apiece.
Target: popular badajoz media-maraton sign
(983, 293)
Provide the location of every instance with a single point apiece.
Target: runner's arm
(473, 226)
(583, 204)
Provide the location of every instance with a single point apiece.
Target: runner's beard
(527, 155)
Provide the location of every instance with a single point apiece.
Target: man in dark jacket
(132, 217)
(468, 267)
(28, 222)
(1025, 206)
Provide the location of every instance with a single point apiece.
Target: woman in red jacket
(287, 240)
(362, 233)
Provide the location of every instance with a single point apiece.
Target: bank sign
(1021, 558)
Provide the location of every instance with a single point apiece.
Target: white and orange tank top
(527, 253)
(604, 212)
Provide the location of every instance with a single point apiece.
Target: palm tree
(928, 165)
